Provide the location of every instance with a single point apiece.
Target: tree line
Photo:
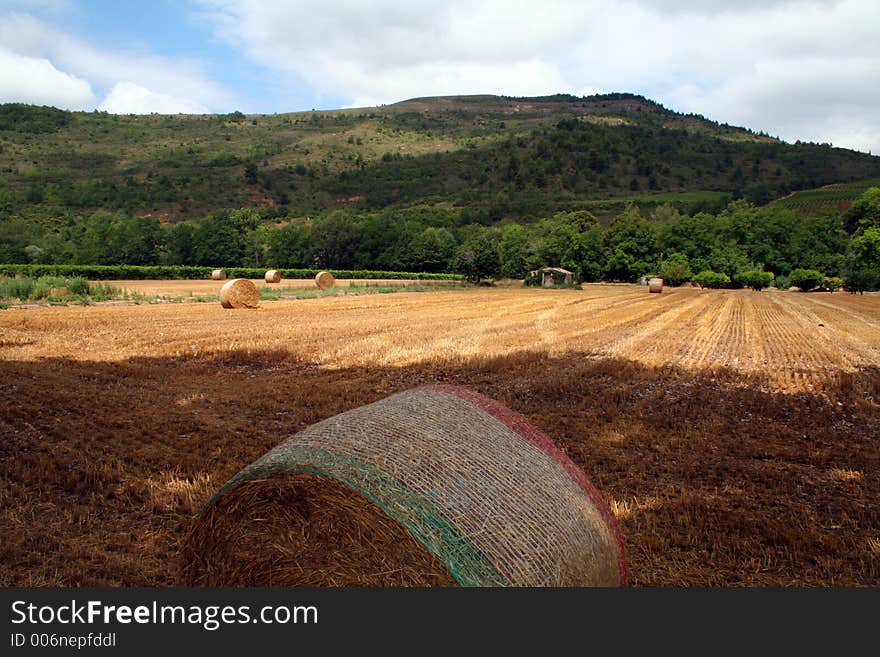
(737, 246)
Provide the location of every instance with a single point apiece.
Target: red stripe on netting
(519, 425)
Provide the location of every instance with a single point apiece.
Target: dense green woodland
(739, 240)
(613, 187)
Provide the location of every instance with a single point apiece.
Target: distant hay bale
(435, 486)
(239, 293)
(273, 276)
(324, 280)
(655, 285)
(218, 275)
(57, 291)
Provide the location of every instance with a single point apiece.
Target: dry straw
(433, 486)
(655, 285)
(239, 293)
(273, 276)
(218, 275)
(324, 280)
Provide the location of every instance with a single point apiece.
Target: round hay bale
(218, 275)
(273, 276)
(655, 285)
(239, 293)
(324, 280)
(433, 486)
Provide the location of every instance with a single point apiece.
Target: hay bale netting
(324, 280)
(433, 486)
(655, 285)
(239, 293)
(273, 276)
(218, 275)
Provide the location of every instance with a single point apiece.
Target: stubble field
(736, 435)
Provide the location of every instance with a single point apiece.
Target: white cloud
(178, 78)
(37, 81)
(390, 50)
(807, 69)
(130, 98)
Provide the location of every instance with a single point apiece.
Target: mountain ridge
(517, 156)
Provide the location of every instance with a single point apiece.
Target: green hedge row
(129, 272)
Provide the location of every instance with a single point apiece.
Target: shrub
(757, 279)
(713, 279)
(24, 288)
(43, 286)
(833, 283)
(806, 279)
(101, 291)
(78, 285)
(16, 288)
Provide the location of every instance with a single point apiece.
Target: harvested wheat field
(735, 434)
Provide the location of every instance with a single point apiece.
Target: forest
(739, 245)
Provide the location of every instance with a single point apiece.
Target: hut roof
(559, 269)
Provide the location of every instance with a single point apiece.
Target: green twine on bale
(467, 565)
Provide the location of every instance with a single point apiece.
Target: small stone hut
(551, 276)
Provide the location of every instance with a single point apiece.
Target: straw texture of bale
(218, 275)
(430, 487)
(273, 276)
(324, 280)
(239, 293)
(655, 285)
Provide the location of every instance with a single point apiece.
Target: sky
(798, 69)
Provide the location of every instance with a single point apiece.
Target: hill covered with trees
(612, 186)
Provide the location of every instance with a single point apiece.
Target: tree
(217, 243)
(135, 241)
(573, 240)
(864, 213)
(514, 251)
(250, 173)
(862, 280)
(676, 269)
(477, 257)
(179, 245)
(336, 239)
(13, 241)
(806, 279)
(430, 250)
(730, 258)
(95, 239)
(630, 243)
(287, 246)
(863, 261)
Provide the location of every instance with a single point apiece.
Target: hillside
(498, 156)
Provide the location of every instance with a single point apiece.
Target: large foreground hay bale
(655, 285)
(218, 275)
(324, 280)
(239, 293)
(433, 486)
(273, 276)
